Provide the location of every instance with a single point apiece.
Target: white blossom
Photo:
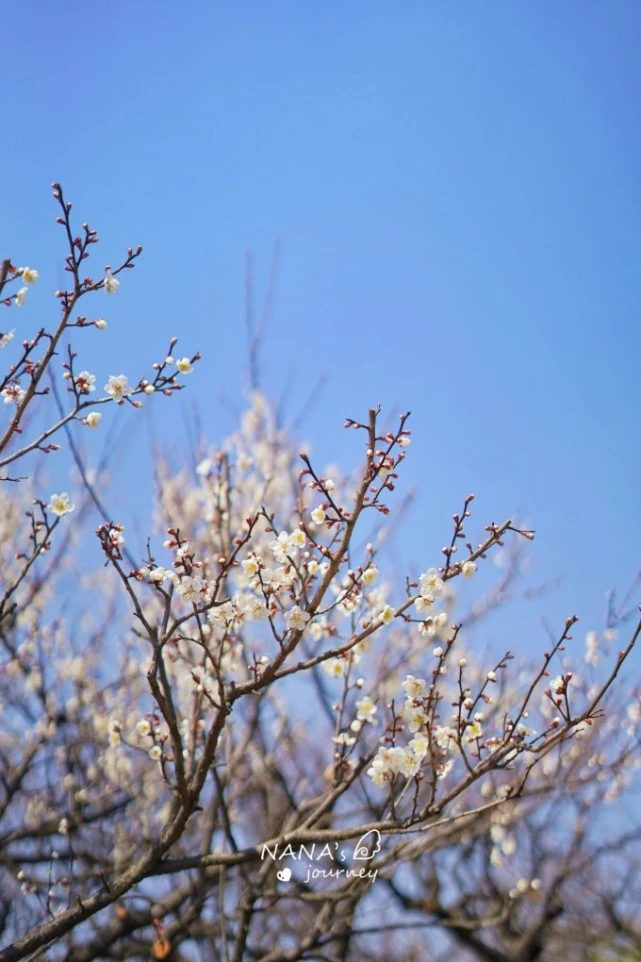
(13, 393)
(117, 387)
(297, 538)
(192, 590)
(297, 618)
(387, 614)
(250, 566)
(85, 382)
(365, 709)
(29, 274)
(414, 687)
(60, 504)
(344, 738)
(558, 685)
(335, 667)
(111, 283)
(430, 583)
(93, 419)
(370, 575)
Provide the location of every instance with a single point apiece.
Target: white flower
(491, 676)
(335, 667)
(117, 387)
(13, 393)
(384, 765)
(420, 745)
(438, 652)
(111, 283)
(250, 566)
(297, 618)
(116, 537)
(192, 590)
(143, 727)
(431, 584)
(409, 764)
(184, 365)
(415, 717)
(468, 568)
(60, 504)
(404, 441)
(86, 382)
(558, 685)
(414, 687)
(318, 515)
(446, 738)
(387, 615)
(434, 627)
(93, 419)
(29, 274)
(280, 546)
(369, 575)
(155, 752)
(21, 297)
(365, 709)
(474, 731)
(63, 826)
(379, 773)
(297, 538)
(100, 324)
(255, 609)
(424, 603)
(149, 389)
(6, 338)
(344, 738)
(221, 616)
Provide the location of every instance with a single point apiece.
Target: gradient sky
(456, 188)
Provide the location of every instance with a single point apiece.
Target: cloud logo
(368, 845)
(284, 875)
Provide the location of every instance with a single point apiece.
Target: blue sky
(456, 189)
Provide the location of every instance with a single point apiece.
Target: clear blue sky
(457, 191)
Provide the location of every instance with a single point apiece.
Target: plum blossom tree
(249, 742)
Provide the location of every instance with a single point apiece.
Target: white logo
(367, 846)
(365, 849)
